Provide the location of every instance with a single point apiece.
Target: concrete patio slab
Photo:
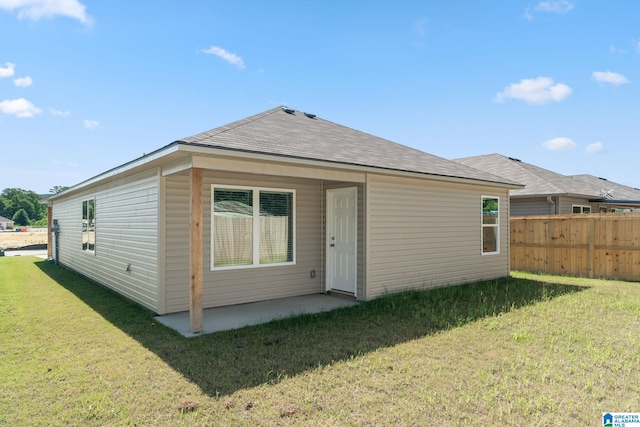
(238, 316)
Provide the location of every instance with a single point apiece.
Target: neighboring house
(281, 204)
(546, 192)
(613, 192)
(6, 224)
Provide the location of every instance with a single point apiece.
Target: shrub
(41, 223)
(21, 217)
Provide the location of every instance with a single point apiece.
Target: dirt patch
(15, 240)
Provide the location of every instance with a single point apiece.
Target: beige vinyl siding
(176, 274)
(126, 234)
(532, 206)
(242, 285)
(425, 234)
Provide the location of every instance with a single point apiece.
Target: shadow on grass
(224, 362)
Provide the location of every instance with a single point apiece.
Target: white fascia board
(178, 165)
(145, 161)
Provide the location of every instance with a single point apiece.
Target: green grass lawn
(526, 350)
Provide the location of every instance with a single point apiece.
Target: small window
(490, 225)
(89, 225)
(580, 209)
(252, 227)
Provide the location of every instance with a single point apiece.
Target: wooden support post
(195, 252)
(49, 235)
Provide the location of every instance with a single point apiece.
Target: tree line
(25, 207)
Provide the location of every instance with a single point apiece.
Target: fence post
(592, 248)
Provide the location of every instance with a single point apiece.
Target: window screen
(232, 227)
(276, 227)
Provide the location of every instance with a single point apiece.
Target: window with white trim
(252, 227)
(89, 225)
(490, 225)
(581, 209)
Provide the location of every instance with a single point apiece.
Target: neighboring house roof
(610, 189)
(294, 134)
(537, 181)
(3, 219)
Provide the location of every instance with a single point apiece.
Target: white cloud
(558, 7)
(528, 15)
(535, 91)
(596, 147)
(560, 143)
(36, 9)
(58, 112)
(19, 107)
(609, 77)
(23, 81)
(231, 58)
(7, 71)
(615, 49)
(91, 124)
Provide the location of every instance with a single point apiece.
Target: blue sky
(88, 85)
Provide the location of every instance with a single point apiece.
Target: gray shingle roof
(537, 181)
(615, 190)
(276, 132)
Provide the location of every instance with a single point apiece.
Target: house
(280, 204)
(6, 224)
(613, 192)
(547, 193)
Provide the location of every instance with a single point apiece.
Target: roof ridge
(228, 127)
(538, 175)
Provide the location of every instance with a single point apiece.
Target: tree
(21, 217)
(28, 207)
(5, 208)
(14, 199)
(57, 189)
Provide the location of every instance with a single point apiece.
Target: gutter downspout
(553, 205)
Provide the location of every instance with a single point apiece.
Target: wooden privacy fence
(586, 245)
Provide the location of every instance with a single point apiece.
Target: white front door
(342, 239)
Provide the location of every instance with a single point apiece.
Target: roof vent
(288, 110)
(311, 116)
(515, 160)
